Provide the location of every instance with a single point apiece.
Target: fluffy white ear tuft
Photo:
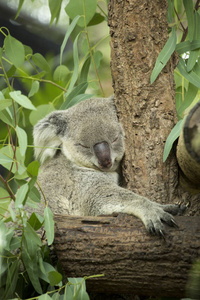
(47, 135)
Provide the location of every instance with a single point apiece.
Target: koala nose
(102, 152)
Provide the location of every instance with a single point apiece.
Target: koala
(80, 150)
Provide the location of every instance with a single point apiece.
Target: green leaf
(19, 8)
(34, 88)
(22, 100)
(76, 7)
(44, 297)
(14, 50)
(78, 99)
(55, 7)
(97, 58)
(69, 31)
(191, 77)
(174, 134)
(61, 73)
(5, 116)
(54, 278)
(41, 62)
(21, 195)
(188, 4)
(68, 294)
(85, 70)
(97, 19)
(33, 168)
(11, 280)
(76, 91)
(5, 103)
(36, 221)
(5, 159)
(31, 268)
(164, 55)
(34, 195)
(15, 243)
(187, 46)
(40, 112)
(188, 99)
(195, 53)
(31, 235)
(76, 66)
(49, 225)
(22, 139)
(4, 202)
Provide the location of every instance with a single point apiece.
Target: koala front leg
(153, 215)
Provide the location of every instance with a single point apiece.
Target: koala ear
(47, 135)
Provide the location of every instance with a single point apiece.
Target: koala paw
(159, 214)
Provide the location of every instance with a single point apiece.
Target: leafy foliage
(184, 21)
(25, 235)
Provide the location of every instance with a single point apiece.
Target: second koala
(81, 149)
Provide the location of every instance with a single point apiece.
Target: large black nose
(102, 152)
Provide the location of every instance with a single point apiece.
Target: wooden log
(188, 151)
(132, 261)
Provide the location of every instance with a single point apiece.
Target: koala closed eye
(82, 178)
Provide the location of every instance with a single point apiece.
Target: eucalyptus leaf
(85, 8)
(67, 35)
(33, 168)
(11, 280)
(19, 8)
(97, 19)
(36, 221)
(44, 297)
(22, 100)
(188, 99)
(80, 89)
(14, 50)
(40, 112)
(61, 73)
(174, 134)
(164, 55)
(85, 70)
(54, 278)
(188, 4)
(34, 88)
(22, 139)
(21, 195)
(49, 225)
(76, 66)
(191, 77)
(78, 99)
(4, 202)
(34, 195)
(5, 116)
(187, 46)
(41, 62)
(55, 7)
(31, 235)
(32, 269)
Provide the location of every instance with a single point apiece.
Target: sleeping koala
(81, 149)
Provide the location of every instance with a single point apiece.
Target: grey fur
(72, 179)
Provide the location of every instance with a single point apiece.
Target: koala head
(88, 134)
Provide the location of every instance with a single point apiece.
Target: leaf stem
(5, 183)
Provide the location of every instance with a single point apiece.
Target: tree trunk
(139, 30)
(132, 261)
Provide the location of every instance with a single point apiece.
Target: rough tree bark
(147, 112)
(132, 261)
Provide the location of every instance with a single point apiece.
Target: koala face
(89, 134)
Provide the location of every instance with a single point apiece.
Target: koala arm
(110, 198)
